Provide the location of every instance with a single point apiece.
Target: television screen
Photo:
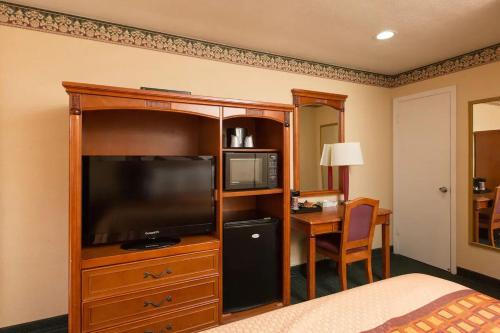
(130, 198)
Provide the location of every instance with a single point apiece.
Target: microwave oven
(248, 170)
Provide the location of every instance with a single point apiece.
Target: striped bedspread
(460, 311)
(412, 303)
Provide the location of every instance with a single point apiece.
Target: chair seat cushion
(485, 216)
(331, 243)
(484, 222)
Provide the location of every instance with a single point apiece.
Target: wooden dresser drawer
(119, 279)
(192, 320)
(121, 309)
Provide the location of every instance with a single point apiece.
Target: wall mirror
(484, 172)
(318, 123)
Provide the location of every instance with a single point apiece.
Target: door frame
(452, 91)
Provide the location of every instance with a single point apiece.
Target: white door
(424, 168)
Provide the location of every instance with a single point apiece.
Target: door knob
(443, 189)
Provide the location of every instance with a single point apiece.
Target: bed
(409, 303)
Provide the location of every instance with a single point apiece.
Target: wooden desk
(328, 221)
(479, 202)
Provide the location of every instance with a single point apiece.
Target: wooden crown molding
(154, 98)
(69, 25)
(308, 97)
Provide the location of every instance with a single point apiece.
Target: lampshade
(326, 155)
(346, 153)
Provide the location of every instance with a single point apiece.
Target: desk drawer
(120, 279)
(324, 228)
(192, 320)
(118, 310)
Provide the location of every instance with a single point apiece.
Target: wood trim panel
(75, 221)
(254, 113)
(208, 110)
(220, 207)
(93, 89)
(230, 112)
(113, 254)
(233, 194)
(319, 193)
(286, 215)
(231, 317)
(307, 97)
(472, 213)
(251, 150)
(97, 102)
(296, 157)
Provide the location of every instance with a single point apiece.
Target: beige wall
(486, 117)
(473, 84)
(34, 144)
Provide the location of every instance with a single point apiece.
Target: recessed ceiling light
(386, 34)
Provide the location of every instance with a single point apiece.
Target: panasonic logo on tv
(152, 233)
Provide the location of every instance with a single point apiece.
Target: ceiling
(338, 32)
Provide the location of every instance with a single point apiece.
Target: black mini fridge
(251, 264)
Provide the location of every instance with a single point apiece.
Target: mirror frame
(470, 204)
(307, 97)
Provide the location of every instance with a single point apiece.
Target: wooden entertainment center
(178, 288)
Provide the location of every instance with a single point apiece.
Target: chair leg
(368, 267)
(342, 267)
(491, 235)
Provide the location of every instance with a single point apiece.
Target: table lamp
(346, 154)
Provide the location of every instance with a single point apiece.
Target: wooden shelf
(233, 194)
(230, 317)
(251, 150)
(97, 256)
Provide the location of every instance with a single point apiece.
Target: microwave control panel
(273, 170)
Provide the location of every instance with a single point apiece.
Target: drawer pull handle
(157, 276)
(157, 305)
(169, 327)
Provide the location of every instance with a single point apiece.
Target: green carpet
(483, 237)
(327, 281)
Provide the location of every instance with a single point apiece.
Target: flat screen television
(146, 201)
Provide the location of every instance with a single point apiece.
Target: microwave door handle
(263, 182)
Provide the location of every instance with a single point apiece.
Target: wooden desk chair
(492, 221)
(354, 243)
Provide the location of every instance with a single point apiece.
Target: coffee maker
(478, 184)
(237, 138)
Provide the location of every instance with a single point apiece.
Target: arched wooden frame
(308, 97)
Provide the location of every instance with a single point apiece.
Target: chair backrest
(495, 214)
(360, 216)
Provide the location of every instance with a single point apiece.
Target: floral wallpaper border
(69, 25)
(465, 61)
